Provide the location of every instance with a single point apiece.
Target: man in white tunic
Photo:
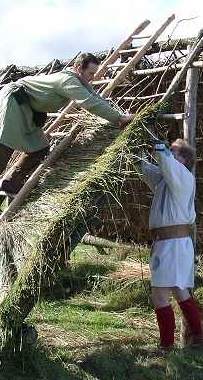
(171, 218)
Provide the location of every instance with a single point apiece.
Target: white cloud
(36, 31)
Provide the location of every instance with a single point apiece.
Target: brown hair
(186, 151)
(84, 59)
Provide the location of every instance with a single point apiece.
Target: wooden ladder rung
(123, 64)
(133, 50)
(101, 81)
(57, 114)
(174, 116)
(53, 114)
(58, 134)
(140, 37)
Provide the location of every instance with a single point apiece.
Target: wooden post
(189, 134)
(189, 124)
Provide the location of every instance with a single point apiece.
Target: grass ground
(97, 323)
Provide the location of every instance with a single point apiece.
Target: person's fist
(125, 120)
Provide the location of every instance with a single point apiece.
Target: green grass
(102, 329)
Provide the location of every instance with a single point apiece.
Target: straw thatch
(63, 208)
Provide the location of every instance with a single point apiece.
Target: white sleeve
(151, 174)
(174, 173)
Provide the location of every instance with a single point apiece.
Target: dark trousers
(15, 178)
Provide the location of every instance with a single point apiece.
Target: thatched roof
(63, 207)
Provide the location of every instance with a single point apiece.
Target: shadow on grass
(107, 363)
(117, 361)
(38, 366)
(130, 363)
(122, 363)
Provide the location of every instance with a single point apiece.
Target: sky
(33, 32)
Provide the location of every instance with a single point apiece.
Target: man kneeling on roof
(23, 108)
(171, 218)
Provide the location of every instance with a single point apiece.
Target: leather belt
(172, 232)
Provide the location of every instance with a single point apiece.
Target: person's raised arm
(174, 172)
(73, 89)
(151, 174)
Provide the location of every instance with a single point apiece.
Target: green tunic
(45, 93)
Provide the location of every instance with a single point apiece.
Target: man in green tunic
(23, 108)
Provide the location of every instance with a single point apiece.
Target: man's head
(86, 65)
(184, 153)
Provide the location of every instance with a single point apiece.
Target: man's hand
(154, 142)
(125, 120)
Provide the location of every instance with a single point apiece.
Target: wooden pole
(189, 133)
(189, 123)
(72, 61)
(137, 57)
(104, 243)
(114, 56)
(41, 71)
(178, 77)
(7, 73)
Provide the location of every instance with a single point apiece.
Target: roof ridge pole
(137, 57)
(114, 56)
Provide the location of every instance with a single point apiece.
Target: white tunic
(173, 185)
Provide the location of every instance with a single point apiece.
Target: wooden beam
(179, 75)
(114, 56)
(161, 69)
